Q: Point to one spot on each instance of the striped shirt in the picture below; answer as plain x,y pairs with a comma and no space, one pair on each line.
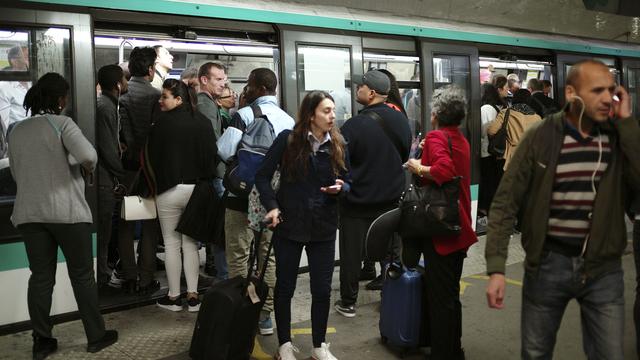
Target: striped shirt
580,166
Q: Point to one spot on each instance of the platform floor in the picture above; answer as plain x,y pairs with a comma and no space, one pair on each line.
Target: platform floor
153,333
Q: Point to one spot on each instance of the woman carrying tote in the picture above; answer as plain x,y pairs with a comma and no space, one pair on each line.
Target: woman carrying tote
304,213
444,256
47,156
181,153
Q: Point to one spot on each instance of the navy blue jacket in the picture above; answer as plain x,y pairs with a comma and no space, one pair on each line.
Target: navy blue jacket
308,214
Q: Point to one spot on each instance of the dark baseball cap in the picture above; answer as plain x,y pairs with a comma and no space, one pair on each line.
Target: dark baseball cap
375,80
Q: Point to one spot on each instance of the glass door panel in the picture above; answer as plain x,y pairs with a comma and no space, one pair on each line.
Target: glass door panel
631,81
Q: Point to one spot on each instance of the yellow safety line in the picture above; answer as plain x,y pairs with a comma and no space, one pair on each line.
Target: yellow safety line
307,331
258,353
485,277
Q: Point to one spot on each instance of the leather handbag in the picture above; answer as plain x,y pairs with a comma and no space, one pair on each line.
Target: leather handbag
431,210
136,207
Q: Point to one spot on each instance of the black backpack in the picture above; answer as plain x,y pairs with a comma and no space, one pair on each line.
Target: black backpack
498,141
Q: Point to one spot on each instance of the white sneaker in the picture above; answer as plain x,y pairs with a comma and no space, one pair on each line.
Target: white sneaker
322,353
286,352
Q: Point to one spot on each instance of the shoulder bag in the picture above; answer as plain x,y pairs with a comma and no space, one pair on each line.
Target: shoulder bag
141,206
431,210
498,142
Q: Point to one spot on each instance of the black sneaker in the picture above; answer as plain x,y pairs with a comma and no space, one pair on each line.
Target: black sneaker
375,284
150,288
110,337
167,303
367,275
345,310
193,304
43,347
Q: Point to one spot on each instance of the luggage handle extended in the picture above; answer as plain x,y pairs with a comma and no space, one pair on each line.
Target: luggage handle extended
255,251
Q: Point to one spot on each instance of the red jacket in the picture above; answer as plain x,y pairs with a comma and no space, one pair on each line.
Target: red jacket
436,155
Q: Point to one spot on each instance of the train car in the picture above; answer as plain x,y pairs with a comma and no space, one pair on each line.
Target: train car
308,50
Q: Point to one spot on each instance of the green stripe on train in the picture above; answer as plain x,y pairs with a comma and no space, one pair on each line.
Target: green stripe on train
276,17
474,192
14,256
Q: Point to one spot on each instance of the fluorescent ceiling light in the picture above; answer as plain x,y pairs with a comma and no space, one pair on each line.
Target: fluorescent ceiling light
187,46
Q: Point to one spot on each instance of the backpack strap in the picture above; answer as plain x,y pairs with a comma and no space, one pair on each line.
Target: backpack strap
385,127
257,112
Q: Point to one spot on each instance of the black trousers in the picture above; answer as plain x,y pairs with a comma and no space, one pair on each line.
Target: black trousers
443,315
106,203
353,232
636,306
148,245
491,171
320,255
41,241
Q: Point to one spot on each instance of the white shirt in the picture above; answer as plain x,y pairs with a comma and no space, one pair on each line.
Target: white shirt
12,95
316,143
487,114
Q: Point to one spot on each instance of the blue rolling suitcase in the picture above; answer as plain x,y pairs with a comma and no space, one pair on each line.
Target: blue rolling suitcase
401,307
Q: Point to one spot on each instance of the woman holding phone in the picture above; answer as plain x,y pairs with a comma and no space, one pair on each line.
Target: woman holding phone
304,213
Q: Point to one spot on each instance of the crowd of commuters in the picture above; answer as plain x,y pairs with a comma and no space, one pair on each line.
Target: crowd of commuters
160,137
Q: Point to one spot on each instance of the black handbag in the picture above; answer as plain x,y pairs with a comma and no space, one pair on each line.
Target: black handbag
431,210
498,141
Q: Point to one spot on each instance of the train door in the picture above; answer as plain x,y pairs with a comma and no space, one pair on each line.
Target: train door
318,61
447,64
33,43
631,81
564,63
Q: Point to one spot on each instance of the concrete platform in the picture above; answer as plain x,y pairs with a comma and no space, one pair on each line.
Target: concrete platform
153,333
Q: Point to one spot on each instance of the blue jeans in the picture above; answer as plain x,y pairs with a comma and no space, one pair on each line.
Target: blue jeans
545,296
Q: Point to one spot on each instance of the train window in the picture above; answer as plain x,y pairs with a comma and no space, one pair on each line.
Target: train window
452,70
633,85
326,68
25,55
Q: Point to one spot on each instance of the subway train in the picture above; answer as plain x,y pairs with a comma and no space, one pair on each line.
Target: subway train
308,50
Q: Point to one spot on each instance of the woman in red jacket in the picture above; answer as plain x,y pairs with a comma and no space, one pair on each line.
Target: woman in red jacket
444,255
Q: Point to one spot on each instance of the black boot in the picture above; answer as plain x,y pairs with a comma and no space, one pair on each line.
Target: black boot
43,347
110,337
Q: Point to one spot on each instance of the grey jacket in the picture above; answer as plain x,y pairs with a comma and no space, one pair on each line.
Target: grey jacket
50,189
107,128
136,112
209,108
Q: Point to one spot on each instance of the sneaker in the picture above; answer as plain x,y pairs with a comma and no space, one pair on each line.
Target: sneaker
322,353
173,305
117,276
109,338
483,221
193,304
43,347
367,274
375,284
265,326
286,352
345,310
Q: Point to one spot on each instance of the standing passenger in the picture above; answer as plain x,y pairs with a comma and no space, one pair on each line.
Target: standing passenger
261,92
48,154
376,156
164,64
573,239
181,153
521,117
136,108
111,174
226,102
304,214
445,155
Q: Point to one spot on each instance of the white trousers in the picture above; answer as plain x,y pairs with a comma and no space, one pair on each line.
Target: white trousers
171,205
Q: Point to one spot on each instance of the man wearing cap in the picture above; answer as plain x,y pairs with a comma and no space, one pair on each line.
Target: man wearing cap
379,140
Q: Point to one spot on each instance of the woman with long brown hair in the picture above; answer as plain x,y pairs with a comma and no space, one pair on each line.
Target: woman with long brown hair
304,213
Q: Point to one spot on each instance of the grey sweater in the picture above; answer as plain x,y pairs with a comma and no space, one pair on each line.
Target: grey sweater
50,190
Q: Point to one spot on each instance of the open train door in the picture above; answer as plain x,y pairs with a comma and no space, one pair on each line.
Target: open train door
631,81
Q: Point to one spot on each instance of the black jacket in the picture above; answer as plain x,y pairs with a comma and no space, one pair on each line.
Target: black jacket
107,129
136,112
308,213
376,163
181,148
542,104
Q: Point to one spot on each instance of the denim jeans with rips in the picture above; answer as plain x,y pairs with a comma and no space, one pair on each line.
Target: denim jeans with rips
545,296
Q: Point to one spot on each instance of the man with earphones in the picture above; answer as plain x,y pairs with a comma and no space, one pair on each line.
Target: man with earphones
567,187
111,174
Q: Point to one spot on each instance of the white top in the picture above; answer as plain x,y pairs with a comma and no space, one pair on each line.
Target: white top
12,95
487,114
316,143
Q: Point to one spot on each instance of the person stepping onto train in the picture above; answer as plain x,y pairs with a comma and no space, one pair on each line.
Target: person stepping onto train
304,214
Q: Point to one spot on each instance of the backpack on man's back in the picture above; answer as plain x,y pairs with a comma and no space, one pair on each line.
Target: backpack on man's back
256,140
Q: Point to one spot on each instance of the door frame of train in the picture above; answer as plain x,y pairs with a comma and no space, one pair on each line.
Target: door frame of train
564,59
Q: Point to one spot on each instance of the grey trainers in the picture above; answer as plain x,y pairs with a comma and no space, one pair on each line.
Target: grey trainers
345,310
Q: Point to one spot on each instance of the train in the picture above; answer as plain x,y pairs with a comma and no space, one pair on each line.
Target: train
306,48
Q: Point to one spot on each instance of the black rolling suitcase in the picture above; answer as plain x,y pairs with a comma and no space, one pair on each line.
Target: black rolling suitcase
228,318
